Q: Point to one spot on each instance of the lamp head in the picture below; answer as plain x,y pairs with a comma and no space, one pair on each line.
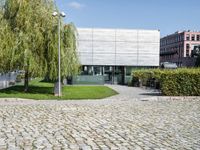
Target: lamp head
54,14
62,14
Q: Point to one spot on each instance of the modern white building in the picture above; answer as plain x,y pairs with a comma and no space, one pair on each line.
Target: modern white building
112,53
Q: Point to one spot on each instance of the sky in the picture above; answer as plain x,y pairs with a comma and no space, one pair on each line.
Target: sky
168,16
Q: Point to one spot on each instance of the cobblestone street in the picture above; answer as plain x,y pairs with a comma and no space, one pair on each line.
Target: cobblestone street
113,123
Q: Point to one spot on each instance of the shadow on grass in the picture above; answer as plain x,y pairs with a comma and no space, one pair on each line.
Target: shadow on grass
32,90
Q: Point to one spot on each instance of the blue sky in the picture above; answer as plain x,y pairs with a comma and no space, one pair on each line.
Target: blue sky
167,15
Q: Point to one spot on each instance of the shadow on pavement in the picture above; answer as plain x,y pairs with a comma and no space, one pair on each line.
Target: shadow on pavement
152,94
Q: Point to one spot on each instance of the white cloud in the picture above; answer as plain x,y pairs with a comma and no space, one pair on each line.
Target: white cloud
76,5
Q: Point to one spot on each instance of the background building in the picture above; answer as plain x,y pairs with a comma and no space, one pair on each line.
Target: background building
7,79
113,53
177,48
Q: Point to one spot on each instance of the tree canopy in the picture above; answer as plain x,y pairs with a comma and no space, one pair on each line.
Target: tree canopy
29,40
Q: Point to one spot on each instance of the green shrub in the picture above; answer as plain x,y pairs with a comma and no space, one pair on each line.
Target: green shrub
135,82
179,82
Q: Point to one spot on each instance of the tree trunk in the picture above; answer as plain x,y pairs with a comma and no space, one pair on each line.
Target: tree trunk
26,80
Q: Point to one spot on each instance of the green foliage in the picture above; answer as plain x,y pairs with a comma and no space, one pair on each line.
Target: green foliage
29,40
69,59
179,82
144,75
71,67
30,23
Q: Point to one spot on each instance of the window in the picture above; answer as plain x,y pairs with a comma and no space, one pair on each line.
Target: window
179,51
177,38
182,37
187,46
198,37
187,37
193,37
187,53
98,70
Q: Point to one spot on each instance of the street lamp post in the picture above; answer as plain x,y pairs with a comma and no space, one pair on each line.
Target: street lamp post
62,14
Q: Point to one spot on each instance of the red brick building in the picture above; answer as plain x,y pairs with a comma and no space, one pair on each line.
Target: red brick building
177,48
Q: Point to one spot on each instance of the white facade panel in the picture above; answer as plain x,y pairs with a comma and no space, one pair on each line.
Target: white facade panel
86,47
84,34
128,59
103,35
103,47
119,47
126,35
148,36
126,47
86,58
104,59
150,48
147,60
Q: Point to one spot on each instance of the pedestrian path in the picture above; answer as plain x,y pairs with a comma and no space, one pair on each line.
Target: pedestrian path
133,92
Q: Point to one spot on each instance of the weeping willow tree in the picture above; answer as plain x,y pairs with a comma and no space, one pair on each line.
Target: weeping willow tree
28,21
68,55
71,66
30,40
7,46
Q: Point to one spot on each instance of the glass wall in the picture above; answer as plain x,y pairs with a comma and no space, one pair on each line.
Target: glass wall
111,74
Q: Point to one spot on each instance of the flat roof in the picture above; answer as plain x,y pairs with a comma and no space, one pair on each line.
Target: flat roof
128,29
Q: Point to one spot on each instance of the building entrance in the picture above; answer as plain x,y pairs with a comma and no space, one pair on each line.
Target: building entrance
111,74
108,74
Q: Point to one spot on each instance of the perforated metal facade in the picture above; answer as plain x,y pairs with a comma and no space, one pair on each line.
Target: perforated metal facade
118,47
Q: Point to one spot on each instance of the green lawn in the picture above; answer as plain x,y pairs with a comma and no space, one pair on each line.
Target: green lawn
44,91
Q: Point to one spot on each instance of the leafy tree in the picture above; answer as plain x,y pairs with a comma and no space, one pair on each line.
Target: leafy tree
28,21
69,59
30,39
7,46
71,65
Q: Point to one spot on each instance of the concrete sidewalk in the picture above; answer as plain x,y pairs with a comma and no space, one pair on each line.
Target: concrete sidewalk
133,92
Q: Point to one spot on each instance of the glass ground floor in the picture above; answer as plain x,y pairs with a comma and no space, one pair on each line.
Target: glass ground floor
105,74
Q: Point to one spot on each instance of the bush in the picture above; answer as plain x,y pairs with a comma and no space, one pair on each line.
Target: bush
147,76
135,82
180,82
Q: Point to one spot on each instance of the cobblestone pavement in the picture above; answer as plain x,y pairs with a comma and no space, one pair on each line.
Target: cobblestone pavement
113,123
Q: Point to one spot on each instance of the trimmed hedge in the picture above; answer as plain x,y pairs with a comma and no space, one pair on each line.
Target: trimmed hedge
179,82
